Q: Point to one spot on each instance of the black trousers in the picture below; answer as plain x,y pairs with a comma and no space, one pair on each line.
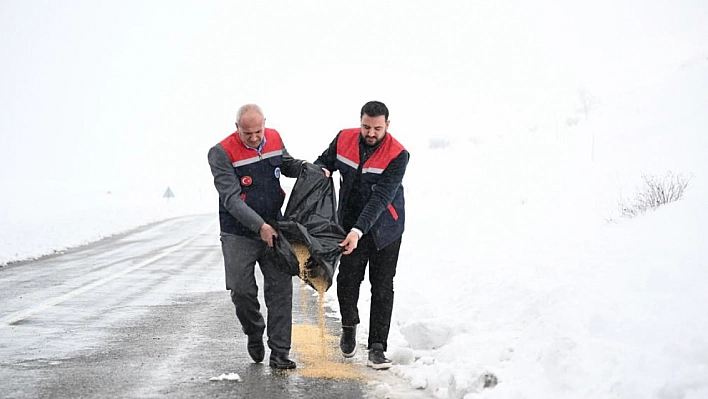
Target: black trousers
382,269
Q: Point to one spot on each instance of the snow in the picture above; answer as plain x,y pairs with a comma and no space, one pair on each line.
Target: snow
227,377
516,271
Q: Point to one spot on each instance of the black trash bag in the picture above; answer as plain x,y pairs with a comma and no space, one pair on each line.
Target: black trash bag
310,218
283,255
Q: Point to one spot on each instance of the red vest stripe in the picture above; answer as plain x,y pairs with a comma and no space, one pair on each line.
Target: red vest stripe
241,155
393,211
348,151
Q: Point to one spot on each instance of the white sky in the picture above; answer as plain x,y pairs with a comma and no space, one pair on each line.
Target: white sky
114,95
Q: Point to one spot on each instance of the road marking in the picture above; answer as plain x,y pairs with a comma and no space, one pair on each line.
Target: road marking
21,315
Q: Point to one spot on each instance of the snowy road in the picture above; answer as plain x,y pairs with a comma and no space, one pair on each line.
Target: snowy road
139,315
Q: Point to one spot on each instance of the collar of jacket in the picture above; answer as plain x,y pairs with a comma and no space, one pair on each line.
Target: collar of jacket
257,149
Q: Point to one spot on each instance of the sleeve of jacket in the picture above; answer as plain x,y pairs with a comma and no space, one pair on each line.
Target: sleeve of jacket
227,184
291,166
382,192
329,156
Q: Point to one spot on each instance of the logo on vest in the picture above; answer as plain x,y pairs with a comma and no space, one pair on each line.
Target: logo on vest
277,173
246,181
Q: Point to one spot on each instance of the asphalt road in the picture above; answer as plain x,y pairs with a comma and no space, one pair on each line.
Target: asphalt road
145,314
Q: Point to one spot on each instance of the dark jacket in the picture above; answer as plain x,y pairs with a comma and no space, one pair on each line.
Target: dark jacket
248,182
371,192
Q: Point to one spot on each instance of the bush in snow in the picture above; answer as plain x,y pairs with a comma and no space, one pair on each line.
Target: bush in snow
656,191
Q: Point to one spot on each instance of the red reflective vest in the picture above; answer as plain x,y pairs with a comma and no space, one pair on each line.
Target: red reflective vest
259,177
391,223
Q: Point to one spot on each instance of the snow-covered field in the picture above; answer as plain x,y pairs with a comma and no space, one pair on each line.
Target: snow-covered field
515,263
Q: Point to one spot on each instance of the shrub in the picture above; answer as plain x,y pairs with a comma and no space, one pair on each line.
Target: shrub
656,191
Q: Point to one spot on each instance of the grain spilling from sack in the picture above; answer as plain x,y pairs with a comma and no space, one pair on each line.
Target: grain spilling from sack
302,254
315,347
319,282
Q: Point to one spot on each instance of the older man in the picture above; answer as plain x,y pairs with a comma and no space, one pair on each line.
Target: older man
247,166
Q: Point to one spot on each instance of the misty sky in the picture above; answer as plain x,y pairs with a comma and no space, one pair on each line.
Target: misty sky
120,95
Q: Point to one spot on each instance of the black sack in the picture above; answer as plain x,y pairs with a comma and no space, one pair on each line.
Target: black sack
283,255
311,219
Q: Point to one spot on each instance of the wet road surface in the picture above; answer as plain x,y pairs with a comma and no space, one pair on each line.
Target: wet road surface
145,314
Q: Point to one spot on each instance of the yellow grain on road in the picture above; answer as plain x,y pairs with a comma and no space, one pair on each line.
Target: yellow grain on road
317,350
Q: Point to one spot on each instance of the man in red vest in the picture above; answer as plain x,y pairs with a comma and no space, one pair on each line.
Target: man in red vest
371,164
247,166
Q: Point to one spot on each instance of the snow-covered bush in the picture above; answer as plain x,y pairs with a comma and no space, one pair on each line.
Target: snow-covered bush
655,192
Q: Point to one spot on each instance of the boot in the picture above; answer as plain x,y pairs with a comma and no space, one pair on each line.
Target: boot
347,342
281,361
377,359
255,347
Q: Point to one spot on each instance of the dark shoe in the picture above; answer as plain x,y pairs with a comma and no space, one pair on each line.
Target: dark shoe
255,347
377,360
281,361
347,342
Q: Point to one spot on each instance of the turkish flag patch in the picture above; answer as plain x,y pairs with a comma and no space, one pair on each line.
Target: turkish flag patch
246,181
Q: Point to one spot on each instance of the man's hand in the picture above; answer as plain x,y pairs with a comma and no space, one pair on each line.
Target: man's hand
268,233
326,172
350,242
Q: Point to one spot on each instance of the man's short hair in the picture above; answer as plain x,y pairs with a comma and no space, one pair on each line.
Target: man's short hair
246,108
374,109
